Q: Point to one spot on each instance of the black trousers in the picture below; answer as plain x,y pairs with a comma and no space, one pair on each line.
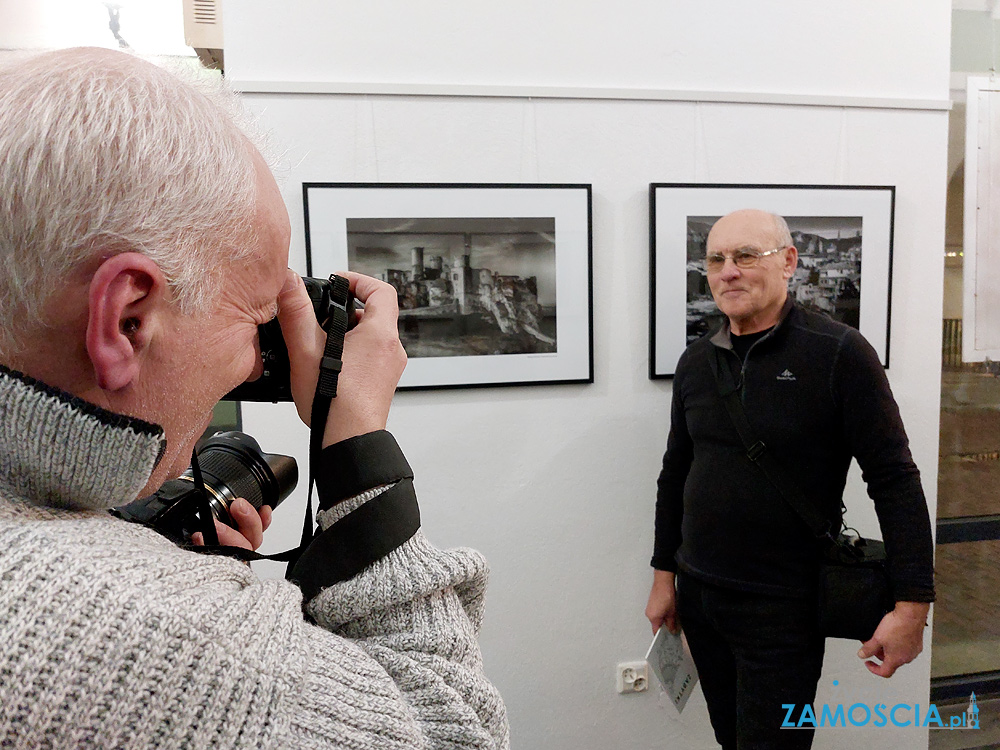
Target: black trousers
754,653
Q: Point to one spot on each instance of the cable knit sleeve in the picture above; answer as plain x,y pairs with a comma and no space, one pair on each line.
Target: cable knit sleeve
407,670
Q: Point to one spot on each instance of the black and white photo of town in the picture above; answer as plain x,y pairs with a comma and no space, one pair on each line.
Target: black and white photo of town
466,286
828,277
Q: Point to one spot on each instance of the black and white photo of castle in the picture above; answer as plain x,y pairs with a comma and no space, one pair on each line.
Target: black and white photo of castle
466,286
827,279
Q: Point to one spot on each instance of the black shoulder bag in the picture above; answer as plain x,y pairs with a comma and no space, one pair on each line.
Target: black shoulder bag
854,591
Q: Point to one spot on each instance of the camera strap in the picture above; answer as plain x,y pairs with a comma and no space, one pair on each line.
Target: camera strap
326,390
337,326
205,515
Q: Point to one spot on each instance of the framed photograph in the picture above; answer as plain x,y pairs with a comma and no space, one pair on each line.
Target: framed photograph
493,280
843,235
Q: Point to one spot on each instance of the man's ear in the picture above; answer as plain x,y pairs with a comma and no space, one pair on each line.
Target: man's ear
791,261
125,295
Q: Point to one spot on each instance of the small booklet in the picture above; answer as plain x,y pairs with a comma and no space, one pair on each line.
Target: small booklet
671,662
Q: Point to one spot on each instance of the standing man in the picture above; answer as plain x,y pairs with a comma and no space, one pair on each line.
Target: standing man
143,239
734,565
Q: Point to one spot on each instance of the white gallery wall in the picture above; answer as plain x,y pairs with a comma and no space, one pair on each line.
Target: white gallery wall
556,484
151,27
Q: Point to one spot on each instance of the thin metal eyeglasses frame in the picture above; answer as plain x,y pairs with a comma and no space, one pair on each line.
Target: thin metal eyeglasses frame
744,255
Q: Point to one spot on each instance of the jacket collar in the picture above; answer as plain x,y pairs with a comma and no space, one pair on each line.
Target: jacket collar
722,338
60,451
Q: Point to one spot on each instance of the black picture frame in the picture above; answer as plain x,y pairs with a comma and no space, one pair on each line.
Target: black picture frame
845,268
494,280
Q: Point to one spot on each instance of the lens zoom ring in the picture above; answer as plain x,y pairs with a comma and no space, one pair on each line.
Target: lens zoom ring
220,467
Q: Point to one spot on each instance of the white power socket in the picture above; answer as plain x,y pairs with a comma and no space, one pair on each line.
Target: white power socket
632,677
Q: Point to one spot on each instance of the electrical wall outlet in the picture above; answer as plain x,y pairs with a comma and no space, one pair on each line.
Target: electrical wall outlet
632,677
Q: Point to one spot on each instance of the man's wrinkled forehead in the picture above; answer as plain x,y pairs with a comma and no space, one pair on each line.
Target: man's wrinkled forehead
743,229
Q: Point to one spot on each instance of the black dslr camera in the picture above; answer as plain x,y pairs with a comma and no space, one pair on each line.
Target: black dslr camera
232,465
273,384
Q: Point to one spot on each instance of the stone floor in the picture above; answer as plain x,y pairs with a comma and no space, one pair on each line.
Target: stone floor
966,634
987,737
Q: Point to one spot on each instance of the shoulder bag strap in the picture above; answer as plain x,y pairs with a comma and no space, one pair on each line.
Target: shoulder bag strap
758,453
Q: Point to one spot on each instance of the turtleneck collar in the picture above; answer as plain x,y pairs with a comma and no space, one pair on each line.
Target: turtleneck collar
60,451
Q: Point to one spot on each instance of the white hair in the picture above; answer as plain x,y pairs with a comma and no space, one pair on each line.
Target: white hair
101,153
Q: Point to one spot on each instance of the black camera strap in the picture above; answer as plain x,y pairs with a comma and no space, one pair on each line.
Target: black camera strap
205,515
337,326
326,390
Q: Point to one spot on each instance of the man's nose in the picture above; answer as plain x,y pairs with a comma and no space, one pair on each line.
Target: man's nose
729,270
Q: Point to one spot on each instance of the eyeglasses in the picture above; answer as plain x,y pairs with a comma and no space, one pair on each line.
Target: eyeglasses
743,258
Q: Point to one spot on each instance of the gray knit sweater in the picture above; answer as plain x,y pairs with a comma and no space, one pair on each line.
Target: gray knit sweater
110,636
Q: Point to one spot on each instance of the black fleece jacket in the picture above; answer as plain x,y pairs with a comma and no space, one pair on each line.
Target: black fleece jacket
816,394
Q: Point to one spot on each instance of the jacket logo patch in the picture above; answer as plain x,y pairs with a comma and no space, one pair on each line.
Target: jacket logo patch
786,375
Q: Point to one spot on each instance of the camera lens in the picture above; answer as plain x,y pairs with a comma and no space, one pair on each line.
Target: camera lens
233,465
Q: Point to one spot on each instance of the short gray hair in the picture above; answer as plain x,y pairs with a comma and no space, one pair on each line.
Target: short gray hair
102,153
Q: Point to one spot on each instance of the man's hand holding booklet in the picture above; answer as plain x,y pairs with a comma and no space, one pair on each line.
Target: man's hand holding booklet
671,662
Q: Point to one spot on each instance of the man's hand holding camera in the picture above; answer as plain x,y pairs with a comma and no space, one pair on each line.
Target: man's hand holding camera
373,357
252,525
373,362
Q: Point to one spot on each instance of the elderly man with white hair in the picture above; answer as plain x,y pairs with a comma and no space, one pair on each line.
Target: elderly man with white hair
142,242
734,564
